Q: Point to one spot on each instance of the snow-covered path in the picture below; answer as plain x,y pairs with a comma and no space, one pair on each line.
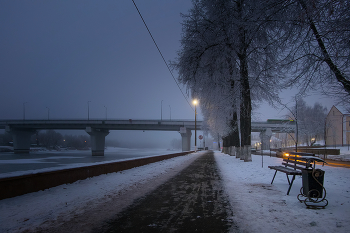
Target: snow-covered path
257,205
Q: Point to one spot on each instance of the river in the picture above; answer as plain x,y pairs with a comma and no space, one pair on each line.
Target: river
19,164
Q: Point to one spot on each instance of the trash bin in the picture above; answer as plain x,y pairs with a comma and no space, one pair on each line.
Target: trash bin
313,182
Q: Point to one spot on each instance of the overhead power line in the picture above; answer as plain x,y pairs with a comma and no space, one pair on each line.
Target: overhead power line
161,54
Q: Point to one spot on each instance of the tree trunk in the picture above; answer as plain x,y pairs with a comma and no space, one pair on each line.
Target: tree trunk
246,107
234,136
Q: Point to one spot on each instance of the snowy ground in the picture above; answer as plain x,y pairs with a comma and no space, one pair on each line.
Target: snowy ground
257,205
344,154
262,207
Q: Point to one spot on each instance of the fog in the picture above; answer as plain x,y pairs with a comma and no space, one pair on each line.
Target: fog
92,59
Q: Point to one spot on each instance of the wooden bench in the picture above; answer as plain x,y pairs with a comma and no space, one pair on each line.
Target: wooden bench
291,166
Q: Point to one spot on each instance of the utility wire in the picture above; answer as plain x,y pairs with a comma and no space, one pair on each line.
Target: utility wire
161,54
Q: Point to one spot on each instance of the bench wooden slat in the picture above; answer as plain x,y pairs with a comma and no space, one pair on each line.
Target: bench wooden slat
298,162
285,170
294,166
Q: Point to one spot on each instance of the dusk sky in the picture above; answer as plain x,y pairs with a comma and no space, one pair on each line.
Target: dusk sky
58,55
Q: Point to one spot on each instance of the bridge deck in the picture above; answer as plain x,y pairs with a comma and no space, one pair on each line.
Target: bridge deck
161,125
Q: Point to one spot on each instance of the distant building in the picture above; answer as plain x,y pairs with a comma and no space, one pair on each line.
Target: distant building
338,127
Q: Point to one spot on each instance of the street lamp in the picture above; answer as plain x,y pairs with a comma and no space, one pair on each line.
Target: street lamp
195,102
106,111
88,109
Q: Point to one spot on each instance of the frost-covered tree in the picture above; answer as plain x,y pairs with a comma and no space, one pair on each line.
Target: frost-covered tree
77,141
317,54
50,139
315,122
228,61
310,121
176,143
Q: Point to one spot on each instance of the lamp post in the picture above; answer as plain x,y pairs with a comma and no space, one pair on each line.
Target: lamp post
106,111
24,110
195,102
48,113
88,109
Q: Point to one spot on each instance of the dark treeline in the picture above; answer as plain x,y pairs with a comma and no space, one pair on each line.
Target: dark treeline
51,139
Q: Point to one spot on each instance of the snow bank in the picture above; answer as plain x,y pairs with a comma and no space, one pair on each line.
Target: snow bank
65,201
261,207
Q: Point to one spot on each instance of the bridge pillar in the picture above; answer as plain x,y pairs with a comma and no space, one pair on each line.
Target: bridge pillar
265,137
21,139
97,140
186,139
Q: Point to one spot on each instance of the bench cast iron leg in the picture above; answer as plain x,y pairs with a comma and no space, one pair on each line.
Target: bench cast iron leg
273,177
288,178
291,183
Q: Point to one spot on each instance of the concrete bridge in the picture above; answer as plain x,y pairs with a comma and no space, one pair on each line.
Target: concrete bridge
22,130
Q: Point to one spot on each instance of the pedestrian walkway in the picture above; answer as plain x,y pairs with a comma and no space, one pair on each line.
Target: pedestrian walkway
192,201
